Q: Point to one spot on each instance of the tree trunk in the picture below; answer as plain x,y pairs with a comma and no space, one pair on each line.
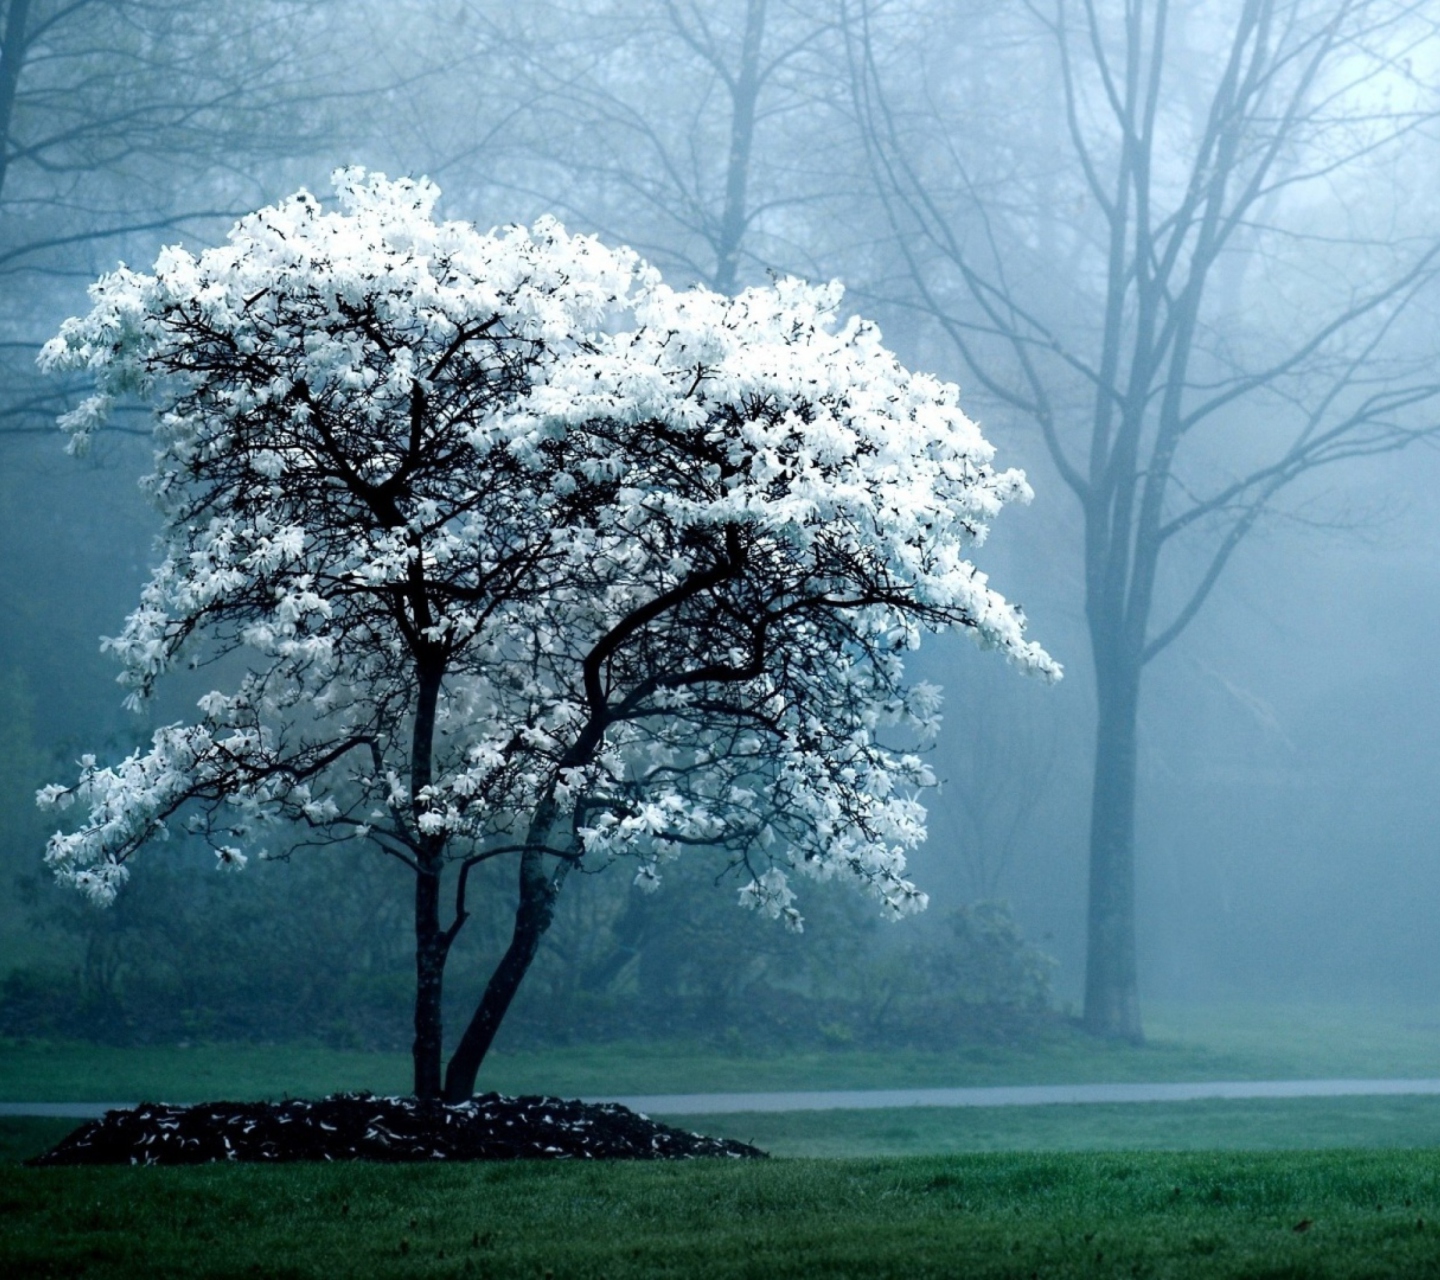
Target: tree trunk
12,60
538,891
430,951
1112,997
431,942
744,94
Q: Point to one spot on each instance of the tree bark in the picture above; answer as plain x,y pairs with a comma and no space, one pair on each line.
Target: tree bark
539,887
1112,996
430,952
744,94
538,891
431,942
12,60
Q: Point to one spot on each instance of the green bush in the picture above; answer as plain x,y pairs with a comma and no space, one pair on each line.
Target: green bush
317,950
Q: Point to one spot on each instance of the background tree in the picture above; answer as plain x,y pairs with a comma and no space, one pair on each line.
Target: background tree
702,134
1182,276
526,556
121,120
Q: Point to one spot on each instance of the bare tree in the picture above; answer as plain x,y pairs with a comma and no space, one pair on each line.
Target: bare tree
122,120
671,124
1194,276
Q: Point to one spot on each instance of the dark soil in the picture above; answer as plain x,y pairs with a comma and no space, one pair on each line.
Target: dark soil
360,1126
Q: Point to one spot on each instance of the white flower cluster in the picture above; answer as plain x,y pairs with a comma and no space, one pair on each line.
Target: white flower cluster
521,544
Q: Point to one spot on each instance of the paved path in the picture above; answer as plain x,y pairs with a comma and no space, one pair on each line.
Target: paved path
1040,1095
682,1104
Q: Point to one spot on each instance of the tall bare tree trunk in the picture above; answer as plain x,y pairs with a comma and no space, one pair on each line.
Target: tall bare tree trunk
1112,996
1287,110
12,59
745,95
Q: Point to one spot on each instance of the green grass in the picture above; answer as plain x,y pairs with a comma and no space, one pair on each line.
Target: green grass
1098,1190
1245,1125
1121,1214
1239,1125
44,1071
1308,1039
24,1136
1186,1044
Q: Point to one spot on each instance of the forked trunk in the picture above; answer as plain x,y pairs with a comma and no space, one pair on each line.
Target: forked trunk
536,909
1112,997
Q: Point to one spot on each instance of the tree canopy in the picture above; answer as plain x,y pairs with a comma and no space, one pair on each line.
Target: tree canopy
517,552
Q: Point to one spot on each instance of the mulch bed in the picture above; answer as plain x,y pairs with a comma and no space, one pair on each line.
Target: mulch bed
360,1126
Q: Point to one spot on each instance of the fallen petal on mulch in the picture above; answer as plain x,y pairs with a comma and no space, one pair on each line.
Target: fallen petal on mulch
361,1126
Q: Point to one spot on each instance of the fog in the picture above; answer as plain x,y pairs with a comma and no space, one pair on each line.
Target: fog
1287,811
1287,826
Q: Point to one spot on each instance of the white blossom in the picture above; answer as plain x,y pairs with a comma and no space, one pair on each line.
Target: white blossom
229,858
659,554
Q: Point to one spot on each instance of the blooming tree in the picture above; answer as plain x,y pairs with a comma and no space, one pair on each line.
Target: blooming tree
522,554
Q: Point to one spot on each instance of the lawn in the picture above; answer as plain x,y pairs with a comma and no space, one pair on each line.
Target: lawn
1186,1044
1214,1188
1121,1214
1238,1125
